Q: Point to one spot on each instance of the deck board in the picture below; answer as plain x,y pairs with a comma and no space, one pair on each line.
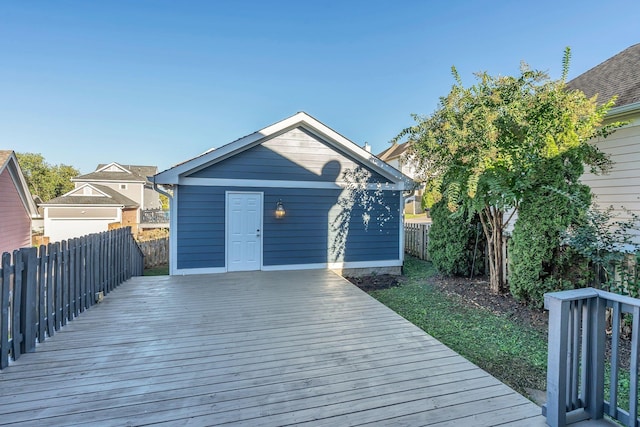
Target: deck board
265,348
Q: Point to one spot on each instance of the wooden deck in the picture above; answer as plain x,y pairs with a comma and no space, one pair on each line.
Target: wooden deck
266,348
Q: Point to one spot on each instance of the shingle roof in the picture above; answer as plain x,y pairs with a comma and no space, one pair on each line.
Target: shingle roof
114,198
396,150
618,75
138,174
4,156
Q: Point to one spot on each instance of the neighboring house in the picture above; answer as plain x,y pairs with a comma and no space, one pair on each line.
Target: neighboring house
113,195
397,156
619,76
17,208
294,195
129,180
90,208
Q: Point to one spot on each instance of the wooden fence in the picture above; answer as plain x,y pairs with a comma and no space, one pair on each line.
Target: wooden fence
156,252
41,289
416,240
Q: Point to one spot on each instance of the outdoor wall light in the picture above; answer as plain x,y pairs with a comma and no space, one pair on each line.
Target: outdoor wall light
280,212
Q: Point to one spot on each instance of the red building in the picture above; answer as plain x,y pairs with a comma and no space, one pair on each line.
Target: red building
17,207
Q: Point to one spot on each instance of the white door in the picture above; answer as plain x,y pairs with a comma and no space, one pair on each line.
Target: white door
244,231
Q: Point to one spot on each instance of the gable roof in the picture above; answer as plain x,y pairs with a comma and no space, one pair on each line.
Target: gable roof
107,196
117,172
618,75
395,151
301,119
9,162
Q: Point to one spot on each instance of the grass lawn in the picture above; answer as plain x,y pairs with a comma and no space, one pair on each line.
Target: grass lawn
512,352
162,270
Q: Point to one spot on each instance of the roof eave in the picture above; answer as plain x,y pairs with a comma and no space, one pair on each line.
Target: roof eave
172,176
623,110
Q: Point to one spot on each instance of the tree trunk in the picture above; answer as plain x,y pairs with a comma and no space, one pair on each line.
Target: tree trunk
492,225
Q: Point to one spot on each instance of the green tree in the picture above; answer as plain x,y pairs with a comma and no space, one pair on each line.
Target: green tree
484,143
45,180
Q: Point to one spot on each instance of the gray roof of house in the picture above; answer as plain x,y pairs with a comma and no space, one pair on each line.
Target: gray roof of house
114,198
618,75
138,174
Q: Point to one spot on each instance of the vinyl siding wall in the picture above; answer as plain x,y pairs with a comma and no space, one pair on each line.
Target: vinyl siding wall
15,223
621,186
320,226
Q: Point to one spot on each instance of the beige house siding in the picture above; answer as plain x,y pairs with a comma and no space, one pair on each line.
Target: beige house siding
619,188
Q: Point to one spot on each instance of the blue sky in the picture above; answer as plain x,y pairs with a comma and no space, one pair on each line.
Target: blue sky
158,82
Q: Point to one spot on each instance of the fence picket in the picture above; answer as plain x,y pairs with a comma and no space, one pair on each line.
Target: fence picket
28,315
16,335
4,312
156,252
42,298
40,291
416,240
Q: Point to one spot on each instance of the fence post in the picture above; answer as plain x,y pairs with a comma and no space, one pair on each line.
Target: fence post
28,301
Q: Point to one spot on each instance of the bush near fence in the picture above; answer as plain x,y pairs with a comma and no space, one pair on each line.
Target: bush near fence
41,289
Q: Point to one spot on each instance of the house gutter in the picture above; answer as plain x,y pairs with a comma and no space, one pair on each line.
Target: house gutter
623,109
158,189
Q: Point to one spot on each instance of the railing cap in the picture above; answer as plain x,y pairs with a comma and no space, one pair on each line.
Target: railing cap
586,293
570,295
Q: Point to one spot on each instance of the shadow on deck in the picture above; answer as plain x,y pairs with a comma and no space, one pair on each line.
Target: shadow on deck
265,348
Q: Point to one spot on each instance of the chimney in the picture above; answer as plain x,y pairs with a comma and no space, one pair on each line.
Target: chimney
367,147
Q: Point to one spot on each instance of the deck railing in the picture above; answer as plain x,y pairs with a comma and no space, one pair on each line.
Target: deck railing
154,216
416,239
578,324
41,289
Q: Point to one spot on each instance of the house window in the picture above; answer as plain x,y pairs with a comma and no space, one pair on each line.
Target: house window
123,186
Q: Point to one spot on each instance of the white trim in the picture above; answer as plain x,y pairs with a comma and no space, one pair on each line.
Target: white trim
401,229
110,181
292,267
226,226
118,165
301,119
224,182
20,183
188,271
334,265
82,187
78,205
173,233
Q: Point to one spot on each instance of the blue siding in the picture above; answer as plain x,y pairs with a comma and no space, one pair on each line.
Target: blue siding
200,240
296,155
321,225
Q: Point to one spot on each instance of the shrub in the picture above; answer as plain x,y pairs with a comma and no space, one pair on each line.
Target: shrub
452,242
538,261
